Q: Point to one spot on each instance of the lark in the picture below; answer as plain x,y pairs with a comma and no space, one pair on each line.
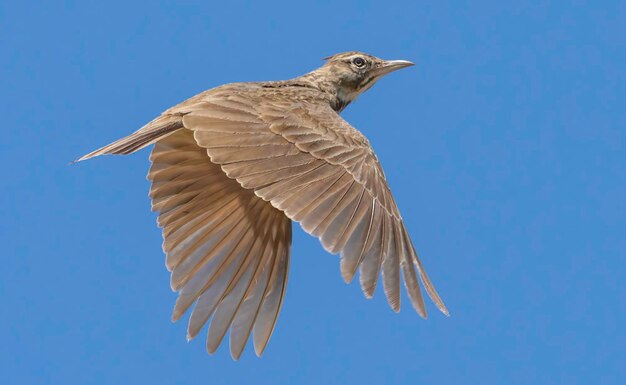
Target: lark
233,166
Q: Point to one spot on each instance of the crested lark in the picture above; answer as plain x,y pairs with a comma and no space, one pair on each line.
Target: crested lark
234,165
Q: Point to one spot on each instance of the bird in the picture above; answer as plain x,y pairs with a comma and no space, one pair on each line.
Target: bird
234,166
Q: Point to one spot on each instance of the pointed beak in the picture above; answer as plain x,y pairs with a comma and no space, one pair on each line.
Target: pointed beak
389,66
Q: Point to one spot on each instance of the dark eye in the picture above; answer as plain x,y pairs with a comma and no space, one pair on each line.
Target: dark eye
359,62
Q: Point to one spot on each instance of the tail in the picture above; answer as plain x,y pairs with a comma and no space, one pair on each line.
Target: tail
157,129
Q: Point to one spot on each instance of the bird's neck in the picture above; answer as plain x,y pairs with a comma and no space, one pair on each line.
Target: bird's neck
338,94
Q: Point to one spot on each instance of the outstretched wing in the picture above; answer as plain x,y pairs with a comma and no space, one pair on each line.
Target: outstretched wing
303,158
227,249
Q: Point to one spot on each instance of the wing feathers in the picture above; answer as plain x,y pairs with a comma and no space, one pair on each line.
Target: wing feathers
229,305
249,310
391,270
370,268
228,250
270,308
408,273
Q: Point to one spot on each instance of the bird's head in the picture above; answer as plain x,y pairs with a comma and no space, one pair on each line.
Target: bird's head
349,74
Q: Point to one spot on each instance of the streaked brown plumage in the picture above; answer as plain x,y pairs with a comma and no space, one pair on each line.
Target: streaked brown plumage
234,165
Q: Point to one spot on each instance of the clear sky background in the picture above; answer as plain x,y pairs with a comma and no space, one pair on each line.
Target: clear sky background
504,146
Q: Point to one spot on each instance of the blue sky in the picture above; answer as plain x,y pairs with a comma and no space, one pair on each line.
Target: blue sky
504,147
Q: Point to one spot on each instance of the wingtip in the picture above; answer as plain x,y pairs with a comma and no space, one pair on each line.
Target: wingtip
176,314
192,333
440,305
84,157
235,353
347,278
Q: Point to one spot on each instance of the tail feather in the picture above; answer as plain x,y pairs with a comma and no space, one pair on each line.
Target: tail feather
159,128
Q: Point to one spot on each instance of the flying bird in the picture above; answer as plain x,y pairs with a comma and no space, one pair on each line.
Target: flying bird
233,166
